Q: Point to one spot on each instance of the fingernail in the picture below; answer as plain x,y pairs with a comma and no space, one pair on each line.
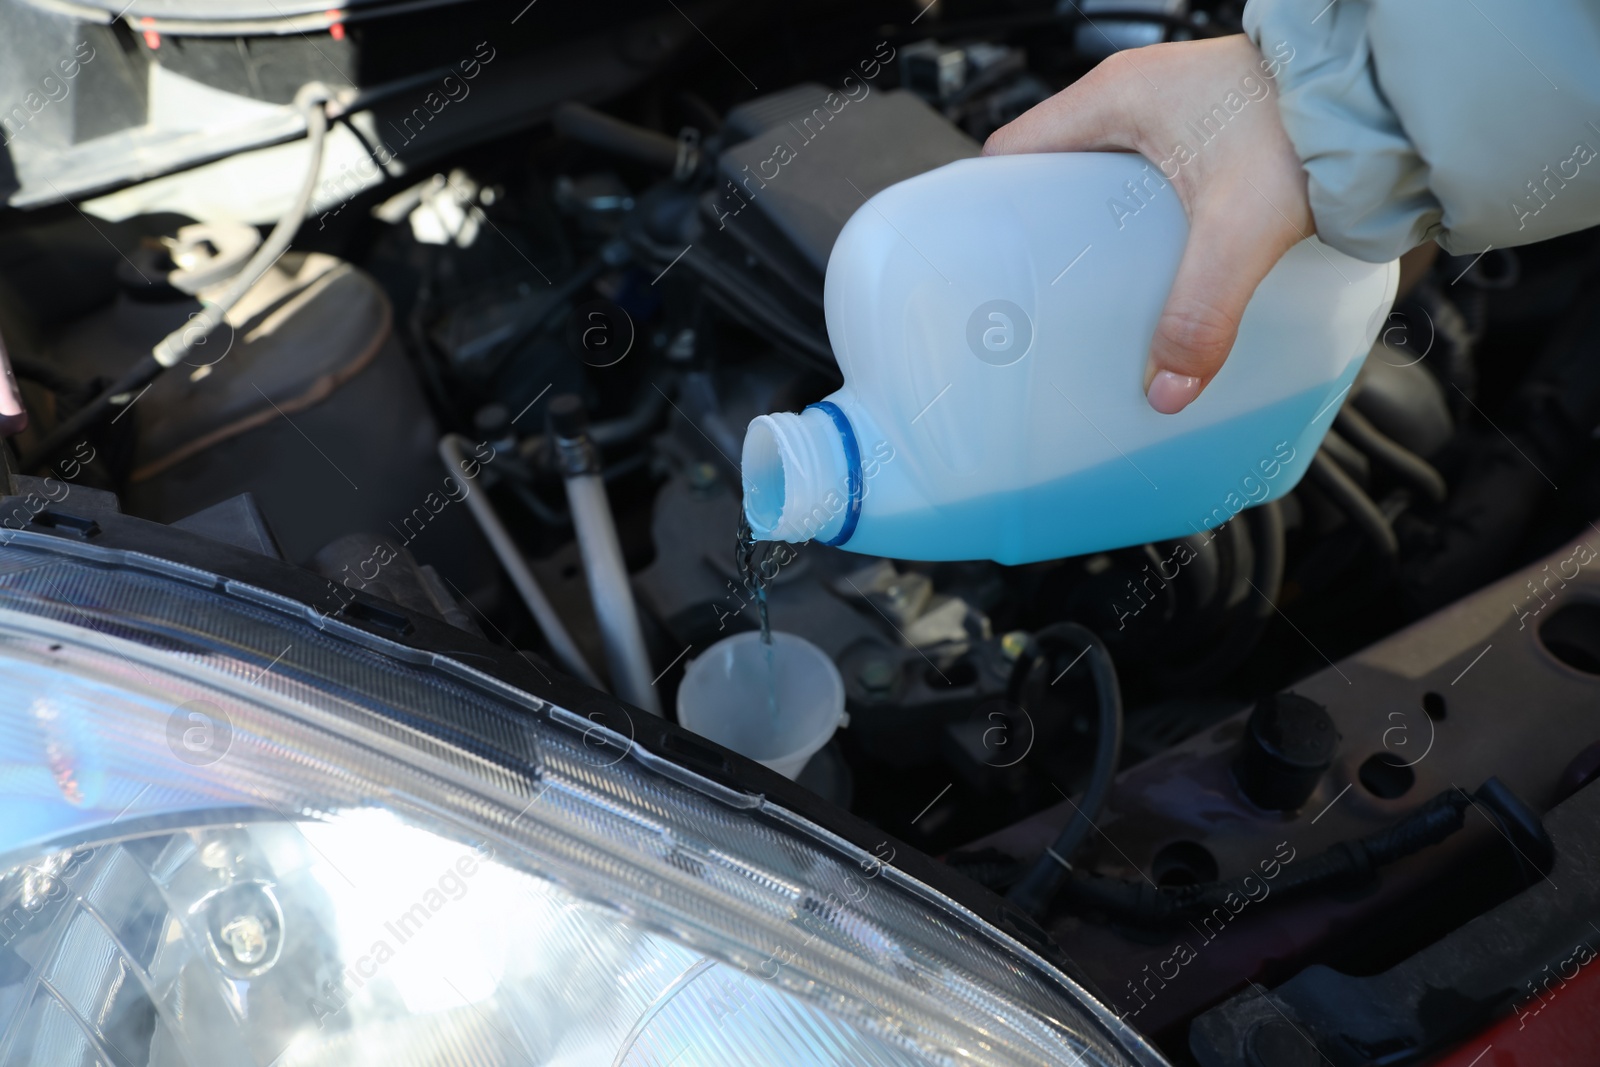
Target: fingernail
1170,393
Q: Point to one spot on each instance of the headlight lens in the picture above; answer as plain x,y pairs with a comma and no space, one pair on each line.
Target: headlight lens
231,837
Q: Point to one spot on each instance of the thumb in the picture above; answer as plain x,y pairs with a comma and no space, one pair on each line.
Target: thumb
1229,252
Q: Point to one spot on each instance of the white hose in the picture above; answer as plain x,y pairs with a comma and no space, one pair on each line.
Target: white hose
627,660
311,101
555,632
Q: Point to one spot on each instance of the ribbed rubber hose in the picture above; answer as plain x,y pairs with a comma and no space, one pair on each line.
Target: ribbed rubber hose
1358,508
1266,527
1400,460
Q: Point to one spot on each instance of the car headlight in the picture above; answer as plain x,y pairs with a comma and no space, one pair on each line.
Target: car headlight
238,832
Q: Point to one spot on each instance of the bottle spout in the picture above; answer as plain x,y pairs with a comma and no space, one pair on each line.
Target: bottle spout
802,476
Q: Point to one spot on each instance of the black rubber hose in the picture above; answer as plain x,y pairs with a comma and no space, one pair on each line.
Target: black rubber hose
608,433
1401,461
1354,462
1039,885
599,130
1358,508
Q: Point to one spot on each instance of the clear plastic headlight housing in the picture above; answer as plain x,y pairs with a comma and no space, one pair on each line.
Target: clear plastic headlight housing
234,832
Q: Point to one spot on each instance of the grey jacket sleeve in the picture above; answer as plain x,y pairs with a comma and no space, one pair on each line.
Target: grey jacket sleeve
1473,122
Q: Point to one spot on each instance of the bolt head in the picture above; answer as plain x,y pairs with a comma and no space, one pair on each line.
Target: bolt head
876,675
702,476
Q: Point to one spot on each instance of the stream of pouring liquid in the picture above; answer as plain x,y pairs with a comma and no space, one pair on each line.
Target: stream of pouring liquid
755,584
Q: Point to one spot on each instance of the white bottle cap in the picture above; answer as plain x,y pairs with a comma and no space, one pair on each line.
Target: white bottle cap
800,479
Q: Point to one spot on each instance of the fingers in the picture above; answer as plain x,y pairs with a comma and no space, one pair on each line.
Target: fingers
1233,244
1244,190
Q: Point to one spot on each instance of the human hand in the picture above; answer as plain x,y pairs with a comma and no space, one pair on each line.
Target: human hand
1243,188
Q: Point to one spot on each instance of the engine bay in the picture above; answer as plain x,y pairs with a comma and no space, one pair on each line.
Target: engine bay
1353,725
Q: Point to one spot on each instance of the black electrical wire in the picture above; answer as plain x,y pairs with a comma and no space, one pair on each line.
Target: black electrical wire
563,293
311,100
1346,865
1401,461
740,295
422,349
748,304
555,518
1039,885
1359,509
